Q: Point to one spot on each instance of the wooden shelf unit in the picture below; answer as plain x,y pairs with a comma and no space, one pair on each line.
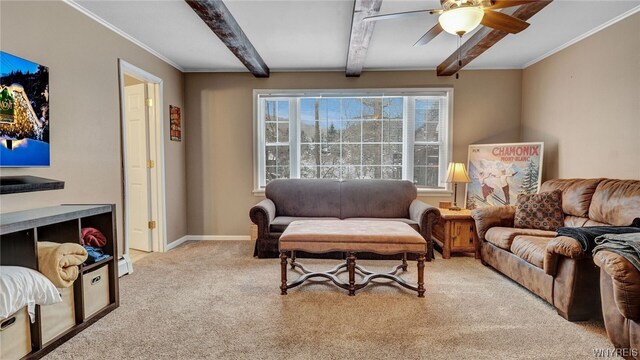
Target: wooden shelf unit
20,233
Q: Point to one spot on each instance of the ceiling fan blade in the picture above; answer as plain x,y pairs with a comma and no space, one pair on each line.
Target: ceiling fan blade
504,22
429,35
501,4
398,15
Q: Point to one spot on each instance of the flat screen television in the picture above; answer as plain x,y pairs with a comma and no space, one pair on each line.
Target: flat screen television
24,112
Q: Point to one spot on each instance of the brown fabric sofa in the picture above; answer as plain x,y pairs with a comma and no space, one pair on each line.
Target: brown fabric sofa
620,294
303,199
556,268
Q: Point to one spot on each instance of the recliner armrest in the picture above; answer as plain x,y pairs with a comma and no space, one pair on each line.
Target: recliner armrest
626,282
427,217
492,216
561,246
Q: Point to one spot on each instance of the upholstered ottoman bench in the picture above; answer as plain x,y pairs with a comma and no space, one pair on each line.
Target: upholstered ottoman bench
351,236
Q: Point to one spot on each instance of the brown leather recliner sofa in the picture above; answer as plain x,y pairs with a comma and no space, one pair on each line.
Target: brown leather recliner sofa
620,294
288,200
556,268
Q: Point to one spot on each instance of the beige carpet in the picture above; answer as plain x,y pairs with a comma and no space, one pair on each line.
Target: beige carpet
213,300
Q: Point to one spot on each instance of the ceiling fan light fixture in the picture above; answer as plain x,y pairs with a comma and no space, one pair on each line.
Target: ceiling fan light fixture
459,21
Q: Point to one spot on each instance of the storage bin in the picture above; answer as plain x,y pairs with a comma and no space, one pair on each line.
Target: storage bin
95,285
15,336
57,318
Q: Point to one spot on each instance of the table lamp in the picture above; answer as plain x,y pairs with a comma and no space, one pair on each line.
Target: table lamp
457,173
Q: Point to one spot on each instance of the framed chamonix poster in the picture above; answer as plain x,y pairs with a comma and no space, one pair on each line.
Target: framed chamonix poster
499,172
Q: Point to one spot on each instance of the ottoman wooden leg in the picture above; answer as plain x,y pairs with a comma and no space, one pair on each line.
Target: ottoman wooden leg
283,273
351,266
293,260
404,261
421,290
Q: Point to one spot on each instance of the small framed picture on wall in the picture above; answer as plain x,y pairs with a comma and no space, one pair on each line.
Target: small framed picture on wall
175,123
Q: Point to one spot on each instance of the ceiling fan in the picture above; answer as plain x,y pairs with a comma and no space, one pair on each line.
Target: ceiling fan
459,17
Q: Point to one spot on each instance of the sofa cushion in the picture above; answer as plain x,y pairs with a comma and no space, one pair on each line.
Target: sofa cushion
531,249
576,194
280,223
412,223
616,202
539,211
305,197
502,237
574,221
376,198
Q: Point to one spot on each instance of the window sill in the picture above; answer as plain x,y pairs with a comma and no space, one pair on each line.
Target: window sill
421,193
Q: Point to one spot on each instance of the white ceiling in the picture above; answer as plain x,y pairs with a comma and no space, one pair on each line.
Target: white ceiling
314,34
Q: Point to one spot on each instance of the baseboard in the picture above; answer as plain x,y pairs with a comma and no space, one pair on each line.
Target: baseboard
220,237
185,238
125,266
176,243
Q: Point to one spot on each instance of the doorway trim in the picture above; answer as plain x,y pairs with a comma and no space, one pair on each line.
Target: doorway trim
156,153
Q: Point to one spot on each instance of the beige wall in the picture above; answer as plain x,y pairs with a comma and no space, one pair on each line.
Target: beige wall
584,103
220,138
82,57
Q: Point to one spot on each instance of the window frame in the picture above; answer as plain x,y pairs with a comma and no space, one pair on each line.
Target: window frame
446,133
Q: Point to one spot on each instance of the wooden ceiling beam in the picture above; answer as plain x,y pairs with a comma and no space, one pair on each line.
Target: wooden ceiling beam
216,15
485,38
360,37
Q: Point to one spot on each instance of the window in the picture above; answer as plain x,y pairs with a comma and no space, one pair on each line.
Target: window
374,134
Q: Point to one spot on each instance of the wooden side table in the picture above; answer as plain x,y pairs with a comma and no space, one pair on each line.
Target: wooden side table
456,233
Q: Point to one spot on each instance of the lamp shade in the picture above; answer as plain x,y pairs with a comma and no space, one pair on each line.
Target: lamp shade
461,20
457,173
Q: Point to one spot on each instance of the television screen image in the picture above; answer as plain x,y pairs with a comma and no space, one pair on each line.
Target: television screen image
24,112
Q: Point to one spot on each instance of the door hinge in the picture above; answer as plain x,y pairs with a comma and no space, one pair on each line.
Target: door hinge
152,224
148,102
151,164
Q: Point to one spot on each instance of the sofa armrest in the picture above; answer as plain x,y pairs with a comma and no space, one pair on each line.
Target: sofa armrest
625,279
262,214
561,246
492,216
427,217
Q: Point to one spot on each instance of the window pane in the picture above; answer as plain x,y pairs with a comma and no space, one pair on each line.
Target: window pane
392,172
352,131
330,172
351,154
371,154
433,155
432,176
330,154
392,131
393,108
351,109
270,110
351,172
332,133
392,154
427,117
270,132
420,155
372,131
276,172
283,110
283,132
371,172
372,108
420,175
309,154
277,155
308,172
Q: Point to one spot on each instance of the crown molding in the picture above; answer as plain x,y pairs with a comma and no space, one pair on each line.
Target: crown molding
583,36
119,31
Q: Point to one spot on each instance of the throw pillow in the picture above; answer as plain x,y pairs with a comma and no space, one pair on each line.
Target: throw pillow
539,211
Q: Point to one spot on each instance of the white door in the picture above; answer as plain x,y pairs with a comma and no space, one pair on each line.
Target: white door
137,156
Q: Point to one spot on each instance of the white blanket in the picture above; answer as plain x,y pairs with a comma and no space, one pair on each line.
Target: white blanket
20,287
